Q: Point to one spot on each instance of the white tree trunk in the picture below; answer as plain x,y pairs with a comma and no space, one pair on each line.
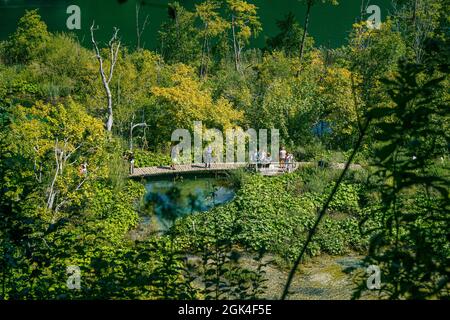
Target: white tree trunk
114,47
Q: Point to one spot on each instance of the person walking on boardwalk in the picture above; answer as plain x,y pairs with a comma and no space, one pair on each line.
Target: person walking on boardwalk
131,159
283,154
208,157
173,157
290,163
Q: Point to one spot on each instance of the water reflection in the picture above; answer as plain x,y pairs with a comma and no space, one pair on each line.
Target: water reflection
172,199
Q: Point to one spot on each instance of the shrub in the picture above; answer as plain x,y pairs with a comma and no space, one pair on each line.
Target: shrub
28,39
150,159
311,152
268,214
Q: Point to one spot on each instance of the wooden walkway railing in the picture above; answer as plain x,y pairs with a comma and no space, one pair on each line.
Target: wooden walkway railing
185,168
273,170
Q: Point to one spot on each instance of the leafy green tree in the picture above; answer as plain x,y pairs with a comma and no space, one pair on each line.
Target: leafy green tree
372,55
178,36
290,37
418,21
30,36
213,26
66,69
309,5
53,213
244,25
185,100
410,243
66,198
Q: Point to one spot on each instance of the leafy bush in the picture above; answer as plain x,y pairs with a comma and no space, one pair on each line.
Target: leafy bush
310,152
150,159
28,39
346,199
315,180
268,214
236,177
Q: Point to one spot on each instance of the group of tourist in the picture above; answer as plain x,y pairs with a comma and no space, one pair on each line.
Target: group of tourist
264,160
261,159
287,160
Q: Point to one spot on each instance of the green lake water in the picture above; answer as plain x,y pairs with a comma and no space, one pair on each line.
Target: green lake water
329,24
175,198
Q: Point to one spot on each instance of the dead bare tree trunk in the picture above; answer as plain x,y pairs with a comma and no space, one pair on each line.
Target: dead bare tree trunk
305,31
51,190
235,45
140,30
114,47
62,155
205,53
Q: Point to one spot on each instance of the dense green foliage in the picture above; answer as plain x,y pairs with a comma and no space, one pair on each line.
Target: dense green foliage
411,242
274,214
65,196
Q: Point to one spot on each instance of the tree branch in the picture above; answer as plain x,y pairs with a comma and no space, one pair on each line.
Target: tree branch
324,210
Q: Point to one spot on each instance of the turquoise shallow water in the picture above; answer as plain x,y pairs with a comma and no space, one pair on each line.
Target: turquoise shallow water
329,25
169,199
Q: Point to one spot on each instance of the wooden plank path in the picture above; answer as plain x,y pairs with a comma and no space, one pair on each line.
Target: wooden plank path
185,168
222,167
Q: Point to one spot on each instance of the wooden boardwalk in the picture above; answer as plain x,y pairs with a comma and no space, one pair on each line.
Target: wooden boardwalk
273,170
185,168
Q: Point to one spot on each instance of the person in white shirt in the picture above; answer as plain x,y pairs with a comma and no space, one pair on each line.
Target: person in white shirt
208,157
174,157
131,162
283,154
263,156
267,161
290,162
